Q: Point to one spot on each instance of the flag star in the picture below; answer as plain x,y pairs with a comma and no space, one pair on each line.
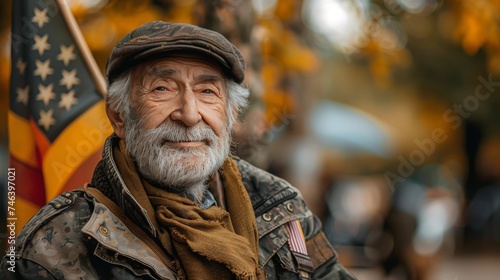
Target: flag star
46,94
40,17
41,44
68,100
21,65
43,69
46,119
22,95
66,54
69,79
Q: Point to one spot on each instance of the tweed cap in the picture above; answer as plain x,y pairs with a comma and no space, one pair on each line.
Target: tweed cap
158,39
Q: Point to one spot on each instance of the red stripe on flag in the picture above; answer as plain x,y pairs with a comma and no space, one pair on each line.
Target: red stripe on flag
41,140
29,182
83,173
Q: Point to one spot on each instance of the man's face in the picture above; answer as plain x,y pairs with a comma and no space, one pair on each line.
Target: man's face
177,131
185,89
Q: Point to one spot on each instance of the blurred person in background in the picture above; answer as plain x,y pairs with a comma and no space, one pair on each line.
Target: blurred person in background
168,201
425,209
483,210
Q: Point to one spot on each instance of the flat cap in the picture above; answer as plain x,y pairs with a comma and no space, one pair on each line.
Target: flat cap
158,39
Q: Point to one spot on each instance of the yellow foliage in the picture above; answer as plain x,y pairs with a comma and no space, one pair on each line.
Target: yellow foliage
477,25
103,30
477,28
271,73
288,10
472,36
383,62
283,45
299,58
181,13
78,10
279,103
283,54
93,33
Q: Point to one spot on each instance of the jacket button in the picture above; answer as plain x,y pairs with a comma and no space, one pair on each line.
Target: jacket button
266,217
67,194
104,231
289,207
57,205
68,201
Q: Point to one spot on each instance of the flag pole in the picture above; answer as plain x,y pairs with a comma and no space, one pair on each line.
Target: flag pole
82,46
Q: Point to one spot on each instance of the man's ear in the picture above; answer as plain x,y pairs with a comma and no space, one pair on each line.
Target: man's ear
117,121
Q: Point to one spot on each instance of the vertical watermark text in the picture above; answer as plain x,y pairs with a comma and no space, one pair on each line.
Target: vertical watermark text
11,218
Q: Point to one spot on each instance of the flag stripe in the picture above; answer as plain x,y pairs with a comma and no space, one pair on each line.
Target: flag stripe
83,173
41,140
80,140
22,143
29,182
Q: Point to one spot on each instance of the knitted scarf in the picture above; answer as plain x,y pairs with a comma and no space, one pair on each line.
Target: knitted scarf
209,244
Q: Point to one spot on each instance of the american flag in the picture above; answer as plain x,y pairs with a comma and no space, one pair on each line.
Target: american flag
57,122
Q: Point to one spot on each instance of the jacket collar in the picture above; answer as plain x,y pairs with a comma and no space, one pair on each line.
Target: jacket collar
108,180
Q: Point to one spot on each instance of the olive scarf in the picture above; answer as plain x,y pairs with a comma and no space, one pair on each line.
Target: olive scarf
206,243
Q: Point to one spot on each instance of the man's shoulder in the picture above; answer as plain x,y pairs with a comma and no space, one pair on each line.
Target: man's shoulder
63,216
260,181
265,189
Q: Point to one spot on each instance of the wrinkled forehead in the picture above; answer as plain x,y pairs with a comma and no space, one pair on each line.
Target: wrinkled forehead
166,66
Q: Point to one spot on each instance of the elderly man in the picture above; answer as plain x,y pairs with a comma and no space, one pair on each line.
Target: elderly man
167,201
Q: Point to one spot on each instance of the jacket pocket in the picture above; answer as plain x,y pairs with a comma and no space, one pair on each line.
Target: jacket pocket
275,256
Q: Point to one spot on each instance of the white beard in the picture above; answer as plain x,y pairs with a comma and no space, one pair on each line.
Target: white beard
184,170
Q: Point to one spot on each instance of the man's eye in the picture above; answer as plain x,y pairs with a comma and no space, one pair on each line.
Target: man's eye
161,88
207,91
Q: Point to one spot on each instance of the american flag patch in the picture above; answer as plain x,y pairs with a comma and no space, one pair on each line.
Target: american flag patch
298,248
297,240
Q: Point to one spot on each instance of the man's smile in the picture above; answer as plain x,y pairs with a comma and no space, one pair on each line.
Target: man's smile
186,144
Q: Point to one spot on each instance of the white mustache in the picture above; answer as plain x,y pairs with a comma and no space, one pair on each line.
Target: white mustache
175,132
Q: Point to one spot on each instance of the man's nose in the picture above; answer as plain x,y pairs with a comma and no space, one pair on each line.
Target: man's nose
187,111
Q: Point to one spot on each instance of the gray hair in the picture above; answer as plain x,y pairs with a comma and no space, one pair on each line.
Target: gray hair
118,96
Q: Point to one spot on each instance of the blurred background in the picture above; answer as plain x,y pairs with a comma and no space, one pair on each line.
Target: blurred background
384,113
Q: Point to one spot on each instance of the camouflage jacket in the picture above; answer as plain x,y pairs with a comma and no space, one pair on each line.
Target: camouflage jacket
77,237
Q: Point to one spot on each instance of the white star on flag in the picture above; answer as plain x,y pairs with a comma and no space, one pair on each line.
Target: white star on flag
22,95
69,79
46,94
21,65
66,54
46,119
41,44
43,69
68,100
40,17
